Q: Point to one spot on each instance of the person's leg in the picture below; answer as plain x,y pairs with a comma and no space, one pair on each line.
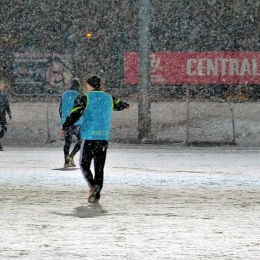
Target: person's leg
87,154
67,144
3,129
76,132
99,164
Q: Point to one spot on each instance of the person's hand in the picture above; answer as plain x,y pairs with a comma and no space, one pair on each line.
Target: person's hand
126,105
62,133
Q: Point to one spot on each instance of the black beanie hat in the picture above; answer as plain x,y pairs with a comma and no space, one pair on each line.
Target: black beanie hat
94,81
75,84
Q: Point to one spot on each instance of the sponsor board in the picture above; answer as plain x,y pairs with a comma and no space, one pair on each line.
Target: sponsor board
196,67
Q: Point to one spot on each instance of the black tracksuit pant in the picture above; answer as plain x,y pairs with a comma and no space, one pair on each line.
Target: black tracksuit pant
3,129
96,150
73,130
3,125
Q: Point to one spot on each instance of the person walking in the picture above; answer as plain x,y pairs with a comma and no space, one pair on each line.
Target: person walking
4,108
95,109
67,103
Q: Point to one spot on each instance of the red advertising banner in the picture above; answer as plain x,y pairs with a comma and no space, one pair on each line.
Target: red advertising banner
197,67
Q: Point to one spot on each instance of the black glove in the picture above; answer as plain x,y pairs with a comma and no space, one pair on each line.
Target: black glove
126,105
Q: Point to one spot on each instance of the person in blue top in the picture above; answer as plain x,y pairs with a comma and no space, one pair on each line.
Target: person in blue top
67,103
94,108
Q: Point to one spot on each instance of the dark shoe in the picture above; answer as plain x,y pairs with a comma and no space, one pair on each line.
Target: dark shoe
92,198
70,159
1,148
67,165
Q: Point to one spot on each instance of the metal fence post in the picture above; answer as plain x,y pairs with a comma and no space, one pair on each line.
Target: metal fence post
188,115
144,107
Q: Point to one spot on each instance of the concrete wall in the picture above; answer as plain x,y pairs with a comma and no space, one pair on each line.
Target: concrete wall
37,124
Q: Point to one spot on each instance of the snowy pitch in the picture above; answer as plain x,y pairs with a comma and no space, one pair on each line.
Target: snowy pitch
157,203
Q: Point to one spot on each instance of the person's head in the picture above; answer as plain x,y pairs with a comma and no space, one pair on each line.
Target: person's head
75,84
92,83
2,85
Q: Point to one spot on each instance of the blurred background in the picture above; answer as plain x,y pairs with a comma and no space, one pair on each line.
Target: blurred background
44,43
60,39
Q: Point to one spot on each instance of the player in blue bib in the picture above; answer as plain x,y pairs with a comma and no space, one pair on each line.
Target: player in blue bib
67,103
94,109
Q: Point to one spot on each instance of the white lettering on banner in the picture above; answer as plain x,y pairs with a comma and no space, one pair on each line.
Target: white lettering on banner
223,66
207,67
212,67
234,67
245,68
189,67
201,68
157,78
254,68
155,63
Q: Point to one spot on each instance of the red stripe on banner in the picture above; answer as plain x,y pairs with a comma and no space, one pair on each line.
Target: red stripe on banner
197,67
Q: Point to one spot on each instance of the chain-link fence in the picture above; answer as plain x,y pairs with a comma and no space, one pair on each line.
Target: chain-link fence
176,122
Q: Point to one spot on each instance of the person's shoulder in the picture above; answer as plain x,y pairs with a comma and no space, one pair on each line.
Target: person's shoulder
79,93
106,93
66,91
69,92
82,96
73,90
102,92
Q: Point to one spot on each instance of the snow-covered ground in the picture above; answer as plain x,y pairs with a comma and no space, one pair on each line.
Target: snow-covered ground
158,202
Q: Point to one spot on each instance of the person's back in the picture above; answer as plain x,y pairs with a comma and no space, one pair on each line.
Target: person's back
96,119
68,99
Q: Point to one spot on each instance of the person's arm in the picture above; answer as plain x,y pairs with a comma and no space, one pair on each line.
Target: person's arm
76,112
119,105
60,108
78,99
